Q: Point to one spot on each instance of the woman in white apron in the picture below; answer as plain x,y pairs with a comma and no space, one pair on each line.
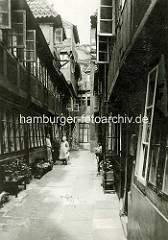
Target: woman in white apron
64,150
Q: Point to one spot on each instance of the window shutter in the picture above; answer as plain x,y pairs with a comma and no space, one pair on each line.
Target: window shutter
18,30
31,46
58,35
106,18
5,14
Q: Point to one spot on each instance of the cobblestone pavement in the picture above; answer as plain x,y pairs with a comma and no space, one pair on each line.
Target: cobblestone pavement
67,203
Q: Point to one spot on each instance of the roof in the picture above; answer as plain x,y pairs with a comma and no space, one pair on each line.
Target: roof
41,8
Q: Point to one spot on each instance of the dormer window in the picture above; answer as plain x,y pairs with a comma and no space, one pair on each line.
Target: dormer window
58,35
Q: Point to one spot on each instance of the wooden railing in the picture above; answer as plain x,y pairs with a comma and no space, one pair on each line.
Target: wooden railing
16,77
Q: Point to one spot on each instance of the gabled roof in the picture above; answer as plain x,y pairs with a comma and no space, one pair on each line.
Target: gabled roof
44,12
41,8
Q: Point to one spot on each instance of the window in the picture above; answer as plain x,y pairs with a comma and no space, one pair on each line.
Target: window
5,148
22,136
82,101
106,18
38,134
165,176
5,14
31,46
42,134
112,137
58,35
17,131
88,101
18,31
102,49
84,132
76,107
35,134
10,126
31,139
34,68
154,153
147,127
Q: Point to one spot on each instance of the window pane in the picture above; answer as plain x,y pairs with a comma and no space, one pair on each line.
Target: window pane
5,12
58,35
31,46
30,35
4,20
106,2
154,155
152,77
103,46
17,17
145,151
147,126
103,57
17,40
22,136
18,30
165,188
105,26
105,13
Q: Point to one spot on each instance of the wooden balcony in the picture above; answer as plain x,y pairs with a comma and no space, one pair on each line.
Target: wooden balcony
16,83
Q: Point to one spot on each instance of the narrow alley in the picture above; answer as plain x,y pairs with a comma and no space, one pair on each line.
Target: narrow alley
67,203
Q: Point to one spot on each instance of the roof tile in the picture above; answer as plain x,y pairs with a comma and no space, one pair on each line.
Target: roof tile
41,8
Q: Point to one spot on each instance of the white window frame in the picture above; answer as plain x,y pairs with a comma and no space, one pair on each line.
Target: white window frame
102,52
164,175
24,30
143,143
9,15
34,50
99,20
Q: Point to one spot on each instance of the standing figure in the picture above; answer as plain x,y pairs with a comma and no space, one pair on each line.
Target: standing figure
63,152
99,158
49,148
66,146
56,148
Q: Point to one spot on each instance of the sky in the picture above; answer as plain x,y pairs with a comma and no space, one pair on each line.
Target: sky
77,12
